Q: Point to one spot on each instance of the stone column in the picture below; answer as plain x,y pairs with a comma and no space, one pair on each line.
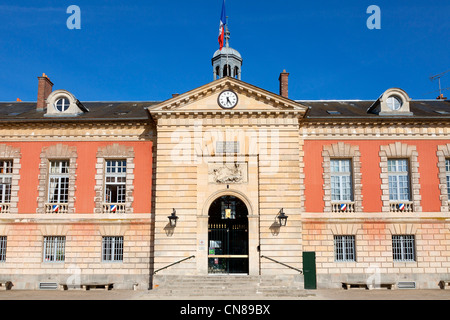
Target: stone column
202,245
253,243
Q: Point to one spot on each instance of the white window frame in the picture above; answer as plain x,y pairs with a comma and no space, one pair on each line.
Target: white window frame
447,175
54,249
396,176
344,248
6,176
403,248
3,243
115,175
343,178
112,249
58,173
394,103
64,104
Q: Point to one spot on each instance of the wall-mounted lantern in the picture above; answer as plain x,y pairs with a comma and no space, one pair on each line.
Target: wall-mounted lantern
173,218
282,218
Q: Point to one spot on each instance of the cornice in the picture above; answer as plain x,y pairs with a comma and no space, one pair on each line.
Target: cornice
76,131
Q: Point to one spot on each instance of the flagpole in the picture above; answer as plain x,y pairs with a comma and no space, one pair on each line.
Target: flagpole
227,36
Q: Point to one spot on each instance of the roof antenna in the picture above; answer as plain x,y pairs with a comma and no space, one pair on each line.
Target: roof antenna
439,76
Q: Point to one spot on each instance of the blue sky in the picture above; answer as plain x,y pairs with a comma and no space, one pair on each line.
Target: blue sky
147,50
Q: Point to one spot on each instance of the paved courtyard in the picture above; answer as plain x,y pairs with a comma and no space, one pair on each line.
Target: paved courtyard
332,294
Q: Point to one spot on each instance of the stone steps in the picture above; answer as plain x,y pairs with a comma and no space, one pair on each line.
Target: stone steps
228,286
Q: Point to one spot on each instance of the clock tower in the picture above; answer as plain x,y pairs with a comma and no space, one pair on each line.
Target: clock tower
228,61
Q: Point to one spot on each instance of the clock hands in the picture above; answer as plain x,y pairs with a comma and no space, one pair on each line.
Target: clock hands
227,99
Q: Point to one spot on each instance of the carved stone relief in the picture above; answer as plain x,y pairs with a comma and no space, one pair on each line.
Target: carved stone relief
227,173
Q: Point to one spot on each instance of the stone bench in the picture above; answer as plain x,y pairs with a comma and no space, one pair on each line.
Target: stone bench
444,283
365,285
6,285
88,286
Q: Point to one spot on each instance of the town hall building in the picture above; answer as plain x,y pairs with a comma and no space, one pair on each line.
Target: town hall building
225,179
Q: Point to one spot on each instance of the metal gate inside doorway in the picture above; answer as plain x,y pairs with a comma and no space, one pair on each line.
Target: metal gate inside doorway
228,236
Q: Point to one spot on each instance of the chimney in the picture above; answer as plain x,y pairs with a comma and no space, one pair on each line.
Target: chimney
284,76
44,89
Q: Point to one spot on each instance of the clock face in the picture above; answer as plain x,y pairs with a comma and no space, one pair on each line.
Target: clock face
228,99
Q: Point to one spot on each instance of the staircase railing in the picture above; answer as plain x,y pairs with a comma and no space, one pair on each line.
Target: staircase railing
284,264
169,265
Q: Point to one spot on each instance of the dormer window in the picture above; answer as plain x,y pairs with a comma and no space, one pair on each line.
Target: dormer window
394,103
62,104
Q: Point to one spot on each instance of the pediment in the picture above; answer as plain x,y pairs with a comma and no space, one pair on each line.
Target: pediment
205,100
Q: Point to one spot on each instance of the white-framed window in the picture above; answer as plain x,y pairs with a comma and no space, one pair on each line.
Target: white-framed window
112,249
447,171
54,248
58,181
2,248
115,181
341,180
6,171
403,248
394,103
398,173
62,104
344,248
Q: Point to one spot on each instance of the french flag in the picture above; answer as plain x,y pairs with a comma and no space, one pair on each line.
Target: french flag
55,208
223,18
343,207
113,208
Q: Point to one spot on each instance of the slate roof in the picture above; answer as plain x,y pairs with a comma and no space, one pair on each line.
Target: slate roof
340,109
127,111
98,111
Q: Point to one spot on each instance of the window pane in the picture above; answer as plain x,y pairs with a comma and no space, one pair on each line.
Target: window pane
448,186
393,103
447,169
346,188
397,165
2,248
54,249
115,181
344,248
340,165
393,188
112,249
59,167
62,104
399,186
335,188
58,183
5,181
403,247
341,181
58,190
5,167
5,189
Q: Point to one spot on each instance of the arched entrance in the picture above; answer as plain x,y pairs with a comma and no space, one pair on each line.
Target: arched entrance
228,236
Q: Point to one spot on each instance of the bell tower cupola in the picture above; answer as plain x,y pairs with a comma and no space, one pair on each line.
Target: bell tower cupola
227,62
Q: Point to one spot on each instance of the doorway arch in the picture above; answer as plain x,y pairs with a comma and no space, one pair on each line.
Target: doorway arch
228,240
